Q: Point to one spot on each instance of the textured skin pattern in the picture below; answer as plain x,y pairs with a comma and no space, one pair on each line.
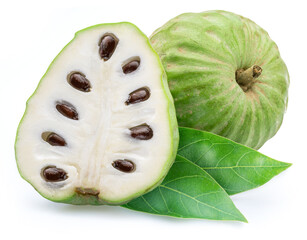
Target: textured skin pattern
201,53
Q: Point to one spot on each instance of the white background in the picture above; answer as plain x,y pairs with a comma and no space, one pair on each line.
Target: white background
31,35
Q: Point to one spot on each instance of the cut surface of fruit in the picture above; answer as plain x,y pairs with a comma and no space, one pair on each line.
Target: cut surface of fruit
226,75
101,126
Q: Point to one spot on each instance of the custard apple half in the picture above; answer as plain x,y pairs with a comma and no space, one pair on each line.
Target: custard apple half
101,126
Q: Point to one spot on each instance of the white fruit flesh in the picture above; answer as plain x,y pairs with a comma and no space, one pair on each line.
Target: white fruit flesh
101,135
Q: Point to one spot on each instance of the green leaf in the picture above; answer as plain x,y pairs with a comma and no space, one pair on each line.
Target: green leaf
188,192
235,167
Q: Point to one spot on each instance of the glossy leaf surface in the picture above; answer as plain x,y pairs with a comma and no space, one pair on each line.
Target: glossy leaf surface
235,167
188,192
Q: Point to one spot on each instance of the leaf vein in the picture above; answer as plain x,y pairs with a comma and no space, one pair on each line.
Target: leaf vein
149,204
179,178
201,140
240,176
202,203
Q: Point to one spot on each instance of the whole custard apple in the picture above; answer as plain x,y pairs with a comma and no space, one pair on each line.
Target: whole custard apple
225,74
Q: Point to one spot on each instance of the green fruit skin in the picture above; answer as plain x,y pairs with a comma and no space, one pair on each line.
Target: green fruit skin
201,53
78,199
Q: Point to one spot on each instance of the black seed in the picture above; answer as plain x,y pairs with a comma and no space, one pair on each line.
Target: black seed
67,110
139,95
124,165
141,132
107,46
131,66
53,139
54,174
79,81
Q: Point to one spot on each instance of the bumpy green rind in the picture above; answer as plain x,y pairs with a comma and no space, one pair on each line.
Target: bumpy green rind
78,199
200,53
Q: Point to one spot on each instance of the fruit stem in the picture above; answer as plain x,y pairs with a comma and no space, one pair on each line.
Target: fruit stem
247,77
